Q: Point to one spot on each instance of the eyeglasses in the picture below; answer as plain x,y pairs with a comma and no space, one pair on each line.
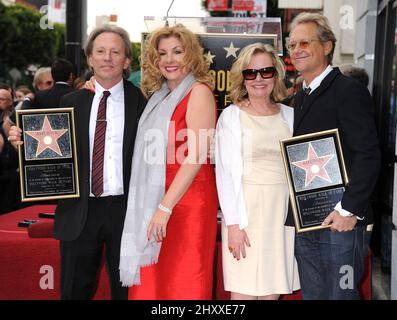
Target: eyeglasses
266,73
303,44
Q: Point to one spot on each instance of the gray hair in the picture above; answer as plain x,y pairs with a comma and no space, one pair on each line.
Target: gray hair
324,31
89,45
39,75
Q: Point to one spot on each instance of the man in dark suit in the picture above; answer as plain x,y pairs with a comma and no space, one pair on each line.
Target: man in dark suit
106,124
331,261
63,75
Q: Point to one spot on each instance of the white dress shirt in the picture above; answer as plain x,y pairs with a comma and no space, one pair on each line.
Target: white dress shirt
317,80
113,154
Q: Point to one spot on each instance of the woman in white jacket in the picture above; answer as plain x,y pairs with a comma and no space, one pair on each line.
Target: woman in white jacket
258,250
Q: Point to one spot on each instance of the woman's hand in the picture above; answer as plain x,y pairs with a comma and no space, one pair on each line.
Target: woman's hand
90,84
237,240
14,136
158,225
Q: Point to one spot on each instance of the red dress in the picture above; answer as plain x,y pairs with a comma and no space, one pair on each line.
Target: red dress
185,266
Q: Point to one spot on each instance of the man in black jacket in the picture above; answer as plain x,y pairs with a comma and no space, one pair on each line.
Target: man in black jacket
331,261
106,124
63,75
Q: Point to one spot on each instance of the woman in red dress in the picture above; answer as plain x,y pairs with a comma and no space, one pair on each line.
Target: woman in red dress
169,234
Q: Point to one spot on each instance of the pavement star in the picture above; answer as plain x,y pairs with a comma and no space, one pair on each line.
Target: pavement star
209,57
231,50
47,138
314,166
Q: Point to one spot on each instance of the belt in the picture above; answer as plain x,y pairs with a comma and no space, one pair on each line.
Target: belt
108,198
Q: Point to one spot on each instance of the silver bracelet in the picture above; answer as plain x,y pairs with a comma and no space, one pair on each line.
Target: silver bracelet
164,209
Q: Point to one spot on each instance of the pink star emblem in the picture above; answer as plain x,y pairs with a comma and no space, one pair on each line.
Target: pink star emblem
314,166
47,138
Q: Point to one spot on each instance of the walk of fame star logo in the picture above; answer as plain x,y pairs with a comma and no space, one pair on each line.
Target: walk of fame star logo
231,50
314,166
47,138
209,58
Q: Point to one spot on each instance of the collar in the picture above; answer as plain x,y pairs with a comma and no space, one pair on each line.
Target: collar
62,82
317,80
115,91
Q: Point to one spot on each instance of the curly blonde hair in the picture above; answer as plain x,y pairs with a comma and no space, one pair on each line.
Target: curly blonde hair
194,61
238,91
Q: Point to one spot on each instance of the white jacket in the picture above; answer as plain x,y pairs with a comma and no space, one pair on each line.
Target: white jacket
229,163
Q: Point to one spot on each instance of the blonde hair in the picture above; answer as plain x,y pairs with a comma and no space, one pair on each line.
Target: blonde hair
324,31
238,92
194,61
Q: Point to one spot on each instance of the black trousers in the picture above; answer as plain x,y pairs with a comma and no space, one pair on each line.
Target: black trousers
81,258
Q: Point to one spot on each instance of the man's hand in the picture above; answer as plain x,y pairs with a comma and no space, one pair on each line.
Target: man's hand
14,136
340,223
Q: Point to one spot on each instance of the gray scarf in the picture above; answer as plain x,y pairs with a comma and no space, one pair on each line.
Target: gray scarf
147,183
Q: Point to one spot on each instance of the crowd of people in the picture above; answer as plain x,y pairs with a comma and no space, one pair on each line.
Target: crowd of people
150,194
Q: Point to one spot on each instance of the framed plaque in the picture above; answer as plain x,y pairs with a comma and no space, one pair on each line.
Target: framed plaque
47,159
316,175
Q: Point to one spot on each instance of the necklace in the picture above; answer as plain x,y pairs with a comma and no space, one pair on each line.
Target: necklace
268,112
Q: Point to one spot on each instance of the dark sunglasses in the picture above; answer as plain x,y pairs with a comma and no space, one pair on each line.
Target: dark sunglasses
266,73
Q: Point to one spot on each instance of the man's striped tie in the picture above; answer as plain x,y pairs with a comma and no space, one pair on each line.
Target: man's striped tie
99,148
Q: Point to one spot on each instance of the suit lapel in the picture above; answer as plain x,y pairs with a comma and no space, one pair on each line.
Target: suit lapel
130,120
300,114
85,112
298,101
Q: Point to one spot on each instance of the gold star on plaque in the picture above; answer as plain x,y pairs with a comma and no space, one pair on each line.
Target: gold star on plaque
231,50
209,57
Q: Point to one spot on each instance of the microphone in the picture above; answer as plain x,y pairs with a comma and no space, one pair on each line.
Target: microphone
166,18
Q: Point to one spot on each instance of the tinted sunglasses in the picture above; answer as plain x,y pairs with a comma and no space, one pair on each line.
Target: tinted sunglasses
266,73
303,44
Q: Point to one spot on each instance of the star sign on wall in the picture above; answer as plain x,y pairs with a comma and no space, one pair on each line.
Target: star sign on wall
209,57
231,50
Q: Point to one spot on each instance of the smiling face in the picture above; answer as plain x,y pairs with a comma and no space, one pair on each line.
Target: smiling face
259,87
171,54
310,61
108,59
